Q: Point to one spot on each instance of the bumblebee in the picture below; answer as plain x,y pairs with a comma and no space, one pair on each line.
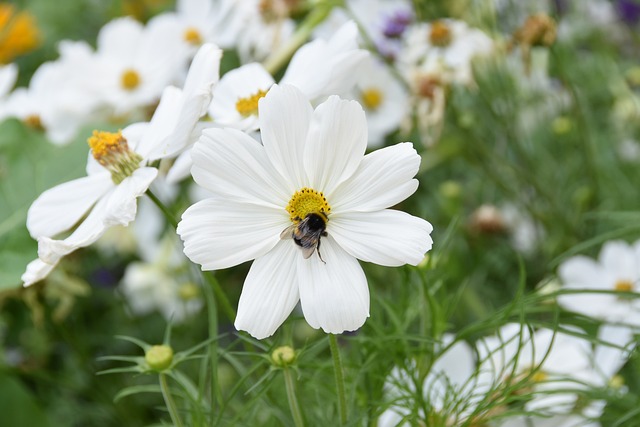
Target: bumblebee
307,233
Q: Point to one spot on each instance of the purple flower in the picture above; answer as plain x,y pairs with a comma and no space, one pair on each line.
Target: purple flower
394,25
628,11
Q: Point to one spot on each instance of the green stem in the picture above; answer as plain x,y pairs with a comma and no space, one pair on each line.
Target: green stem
290,384
337,368
318,14
167,213
212,317
168,400
221,297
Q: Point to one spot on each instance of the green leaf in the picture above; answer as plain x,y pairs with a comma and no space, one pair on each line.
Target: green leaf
29,164
18,406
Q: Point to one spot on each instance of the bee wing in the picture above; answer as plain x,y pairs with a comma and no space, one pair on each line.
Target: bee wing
288,232
308,251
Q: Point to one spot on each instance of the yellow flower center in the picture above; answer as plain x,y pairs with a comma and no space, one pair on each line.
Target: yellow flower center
623,286
306,201
440,34
130,79
539,376
372,98
34,122
249,105
192,36
19,33
112,151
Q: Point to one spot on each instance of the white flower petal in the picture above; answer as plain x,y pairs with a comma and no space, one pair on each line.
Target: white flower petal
335,144
581,272
334,294
383,179
231,163
60,207
89,230
387,237
619,258
181,168
219,233
36,271
270,292
122,204
285,115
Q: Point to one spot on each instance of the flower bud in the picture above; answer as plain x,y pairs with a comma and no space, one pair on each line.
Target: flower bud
283,356
159,357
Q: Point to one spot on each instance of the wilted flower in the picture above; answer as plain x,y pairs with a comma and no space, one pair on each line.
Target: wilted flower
310,183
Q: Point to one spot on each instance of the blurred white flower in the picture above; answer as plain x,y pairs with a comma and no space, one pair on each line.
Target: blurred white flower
453,390
118,172
618,270
8,77
448,43
526,234
196,22
57,100
135,63
384,98
266,26
159,283
309,183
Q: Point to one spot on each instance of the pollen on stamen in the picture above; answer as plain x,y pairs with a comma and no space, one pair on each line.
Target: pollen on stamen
192,36
372,98
130,79
306,201
112,151
440,34
249,105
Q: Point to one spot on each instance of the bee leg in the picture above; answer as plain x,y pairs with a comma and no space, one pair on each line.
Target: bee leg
318,249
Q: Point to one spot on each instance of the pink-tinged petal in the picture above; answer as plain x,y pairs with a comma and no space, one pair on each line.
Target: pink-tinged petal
285,115
383,179
391,238
122,204
619,258
60,207
231,163
219,233
269,293
36,270
334,293
335,144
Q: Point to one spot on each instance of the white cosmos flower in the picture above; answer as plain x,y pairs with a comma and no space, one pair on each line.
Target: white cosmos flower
8,77
385,101
136,63
117,171
312,165
555,364
450,43
201,21
617,269
453,388
319,68
57,100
